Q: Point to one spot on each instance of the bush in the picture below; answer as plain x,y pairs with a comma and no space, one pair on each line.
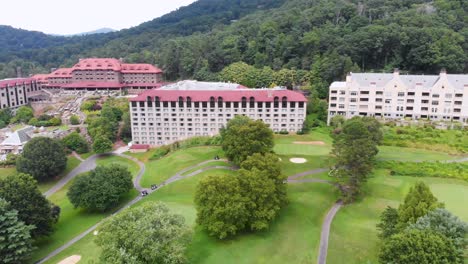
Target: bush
284,132
160,152
76,142
426,169
74,120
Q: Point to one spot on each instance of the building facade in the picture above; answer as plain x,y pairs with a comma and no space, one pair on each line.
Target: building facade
103,74
187,109
396,96
15,92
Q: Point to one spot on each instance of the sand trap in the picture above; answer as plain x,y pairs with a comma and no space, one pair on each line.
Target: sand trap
71,260
317,143
297,160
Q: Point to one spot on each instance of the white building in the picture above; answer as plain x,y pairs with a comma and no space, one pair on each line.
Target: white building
396,96
192,108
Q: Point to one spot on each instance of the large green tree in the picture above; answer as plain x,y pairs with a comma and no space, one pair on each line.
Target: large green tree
388,222
243,137
262,184
221,207
21,191
355,148
102,144
15,236
43,158
416,246
101,188
144,235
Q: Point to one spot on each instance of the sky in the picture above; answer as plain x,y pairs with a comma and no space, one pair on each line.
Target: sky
76,16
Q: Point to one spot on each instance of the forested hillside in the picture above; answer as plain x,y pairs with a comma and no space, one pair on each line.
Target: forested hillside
324,37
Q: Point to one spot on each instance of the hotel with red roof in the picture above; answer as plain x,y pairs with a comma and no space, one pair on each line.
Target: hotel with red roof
190,108
103,74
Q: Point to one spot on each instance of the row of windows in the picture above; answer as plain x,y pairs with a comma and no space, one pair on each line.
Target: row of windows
399,94
219,104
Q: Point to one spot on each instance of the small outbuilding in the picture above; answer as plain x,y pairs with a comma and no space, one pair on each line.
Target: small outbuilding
139,148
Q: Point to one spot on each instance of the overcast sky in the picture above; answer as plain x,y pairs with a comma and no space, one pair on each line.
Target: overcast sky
76,16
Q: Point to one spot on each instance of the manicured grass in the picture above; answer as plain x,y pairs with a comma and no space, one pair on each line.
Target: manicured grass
86,155
412,154
313,162
74,221
160,170
7,171
284,144
353,237
293,237
210,164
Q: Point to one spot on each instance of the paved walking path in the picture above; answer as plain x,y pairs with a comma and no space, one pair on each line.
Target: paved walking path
324,236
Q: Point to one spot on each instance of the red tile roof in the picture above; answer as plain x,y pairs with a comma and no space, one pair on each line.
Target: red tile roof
61,73
14,82
41,77
260,95
99,85
140,68
140,146
154,85
98,64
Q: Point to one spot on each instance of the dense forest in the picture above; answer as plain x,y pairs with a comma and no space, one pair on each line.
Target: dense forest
325,38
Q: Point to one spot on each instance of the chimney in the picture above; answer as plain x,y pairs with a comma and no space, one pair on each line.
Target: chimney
396,72
348,77
443,72
19,72
52,70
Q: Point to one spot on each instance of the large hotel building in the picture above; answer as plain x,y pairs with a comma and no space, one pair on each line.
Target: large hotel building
190,108
397,96
103,74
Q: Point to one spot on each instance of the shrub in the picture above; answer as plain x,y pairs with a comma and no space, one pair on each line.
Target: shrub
426,169
160,152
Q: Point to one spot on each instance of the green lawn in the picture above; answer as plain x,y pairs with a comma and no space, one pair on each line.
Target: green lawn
284,144
293,238
160,170
210,164
74,221
353,237
412,154
7,171
313,162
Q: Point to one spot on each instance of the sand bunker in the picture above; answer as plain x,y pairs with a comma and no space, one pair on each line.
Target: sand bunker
298,160
71,260
317,143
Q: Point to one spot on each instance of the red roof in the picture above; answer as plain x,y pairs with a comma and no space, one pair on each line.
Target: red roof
140,68
99,85
260,95
40,77
140,146
61,73
98,64
14,82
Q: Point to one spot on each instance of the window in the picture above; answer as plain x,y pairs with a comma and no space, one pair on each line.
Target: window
189,101
276,102
220,102
244,102
252,102
353,93
284,102
212,102
435,96
401,94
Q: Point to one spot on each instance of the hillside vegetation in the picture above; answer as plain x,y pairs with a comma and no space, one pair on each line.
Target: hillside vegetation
332,36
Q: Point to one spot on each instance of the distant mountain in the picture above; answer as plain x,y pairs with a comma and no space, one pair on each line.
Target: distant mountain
97,31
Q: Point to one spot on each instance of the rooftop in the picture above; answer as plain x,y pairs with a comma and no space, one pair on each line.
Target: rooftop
207,86
16,81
